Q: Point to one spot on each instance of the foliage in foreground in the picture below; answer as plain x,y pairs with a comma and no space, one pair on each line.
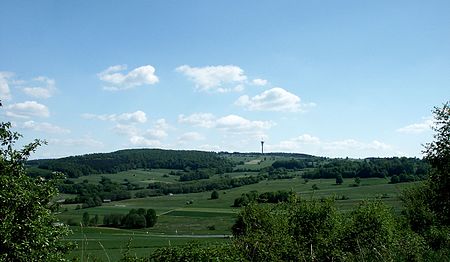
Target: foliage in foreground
28,229
427,206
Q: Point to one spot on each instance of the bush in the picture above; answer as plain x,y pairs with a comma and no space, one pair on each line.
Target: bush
214,195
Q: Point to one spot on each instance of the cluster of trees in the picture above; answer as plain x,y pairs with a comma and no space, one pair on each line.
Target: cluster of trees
202,186
191,175
136,218
277,173
76,166
267,197
404,178
90,195
293,164
371,167
87,220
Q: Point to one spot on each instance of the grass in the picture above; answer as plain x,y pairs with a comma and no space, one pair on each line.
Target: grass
186,217
107,244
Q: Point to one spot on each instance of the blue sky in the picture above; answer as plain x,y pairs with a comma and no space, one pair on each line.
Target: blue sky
329,78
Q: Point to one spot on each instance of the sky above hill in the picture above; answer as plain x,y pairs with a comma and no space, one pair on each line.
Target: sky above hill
329,78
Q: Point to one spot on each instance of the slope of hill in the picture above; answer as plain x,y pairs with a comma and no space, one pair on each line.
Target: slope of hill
122,160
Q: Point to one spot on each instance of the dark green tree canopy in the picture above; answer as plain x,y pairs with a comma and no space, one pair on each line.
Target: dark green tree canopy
28,229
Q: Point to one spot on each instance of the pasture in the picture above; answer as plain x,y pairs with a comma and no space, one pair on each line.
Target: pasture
196,217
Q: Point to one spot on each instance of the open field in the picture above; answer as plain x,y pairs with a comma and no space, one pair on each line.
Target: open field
108,244
186,217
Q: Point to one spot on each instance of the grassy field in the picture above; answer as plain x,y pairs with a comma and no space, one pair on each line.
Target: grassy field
107,244
195,217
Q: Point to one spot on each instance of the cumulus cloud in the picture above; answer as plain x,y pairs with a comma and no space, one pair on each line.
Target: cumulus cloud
417,128
238,124
39,87
230,124
341,148
75,142
222,78
259,82
136,117
156,133
142,141
128,130
5,92
139,137
190,137
352,144
43,87
275,99
27,109
44,127
117,80
198,119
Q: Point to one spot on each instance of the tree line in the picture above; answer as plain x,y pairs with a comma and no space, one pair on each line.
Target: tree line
266,197
101,163
136,218
203,185
90,195
370,167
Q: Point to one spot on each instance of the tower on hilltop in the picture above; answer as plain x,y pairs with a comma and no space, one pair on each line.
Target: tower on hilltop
262,146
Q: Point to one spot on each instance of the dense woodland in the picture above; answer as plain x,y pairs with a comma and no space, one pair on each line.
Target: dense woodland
76,166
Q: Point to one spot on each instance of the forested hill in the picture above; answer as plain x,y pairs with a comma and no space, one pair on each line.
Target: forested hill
75,166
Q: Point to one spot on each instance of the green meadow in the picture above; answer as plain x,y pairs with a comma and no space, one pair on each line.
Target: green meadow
195,217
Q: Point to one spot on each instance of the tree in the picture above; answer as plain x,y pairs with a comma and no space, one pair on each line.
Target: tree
85,219
339,179
437,153
357,181
427,206
28,228
214,195
150,217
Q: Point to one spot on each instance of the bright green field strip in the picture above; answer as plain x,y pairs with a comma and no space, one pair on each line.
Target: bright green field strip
106,244
186,213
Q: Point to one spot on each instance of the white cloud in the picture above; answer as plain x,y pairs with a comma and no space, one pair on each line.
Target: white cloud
417,128
230,124
198,119
162,124
138,137
156,133
237,124
142,141
135,117
115,80
5,92
341,148
27,109
190,136
215,78
351,144
275,99
45,127
85,142
128,130
45,87
307,139
259,82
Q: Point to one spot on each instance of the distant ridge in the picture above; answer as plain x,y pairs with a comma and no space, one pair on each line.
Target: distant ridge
127,159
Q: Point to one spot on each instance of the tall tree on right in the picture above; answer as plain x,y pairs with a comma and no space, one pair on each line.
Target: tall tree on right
437,153
427,206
